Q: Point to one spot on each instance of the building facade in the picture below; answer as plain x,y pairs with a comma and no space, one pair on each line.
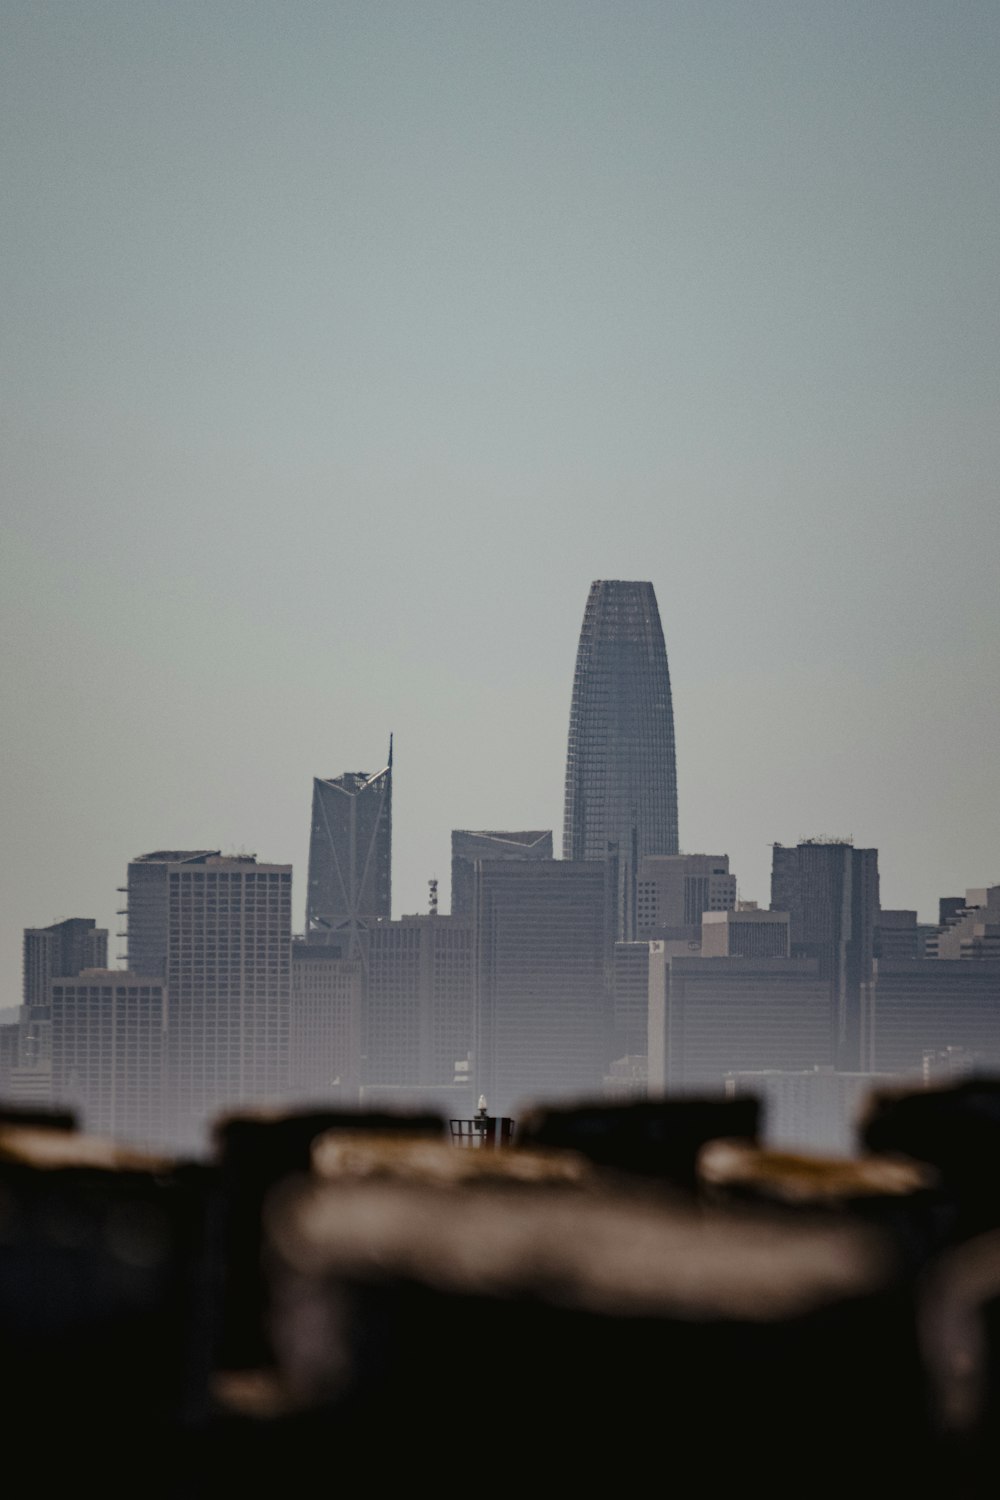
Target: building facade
469,845
709,1017
350,858
108,1044
325,1025
830,891
418,1009
621,771
543,941
219,929
746,933
674,891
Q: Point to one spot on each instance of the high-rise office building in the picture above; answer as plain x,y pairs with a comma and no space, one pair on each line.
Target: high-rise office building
468,845
418,1011
146,905
326,1024
946,1006
709,1017
108,1036
674,891
220,929
830,891
621,773
59,951
747,933
350,858
543,954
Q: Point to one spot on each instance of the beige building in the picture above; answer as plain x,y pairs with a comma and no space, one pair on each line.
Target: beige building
747,932
674,890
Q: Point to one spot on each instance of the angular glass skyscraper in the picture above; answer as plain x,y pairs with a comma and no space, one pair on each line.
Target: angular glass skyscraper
621,771
350,857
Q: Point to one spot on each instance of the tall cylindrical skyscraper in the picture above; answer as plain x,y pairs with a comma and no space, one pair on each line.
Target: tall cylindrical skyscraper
621,770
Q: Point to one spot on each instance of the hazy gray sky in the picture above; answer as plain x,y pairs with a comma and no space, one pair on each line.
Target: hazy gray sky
344,344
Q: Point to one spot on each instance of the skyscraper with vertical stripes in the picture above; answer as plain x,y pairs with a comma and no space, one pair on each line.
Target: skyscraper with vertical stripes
350,858
621,770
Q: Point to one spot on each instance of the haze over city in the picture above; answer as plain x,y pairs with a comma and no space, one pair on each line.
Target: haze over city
344,347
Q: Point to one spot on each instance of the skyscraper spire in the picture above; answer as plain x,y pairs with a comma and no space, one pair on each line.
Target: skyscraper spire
621,774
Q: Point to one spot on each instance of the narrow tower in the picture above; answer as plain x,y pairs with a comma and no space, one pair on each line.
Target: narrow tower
350,857
621,773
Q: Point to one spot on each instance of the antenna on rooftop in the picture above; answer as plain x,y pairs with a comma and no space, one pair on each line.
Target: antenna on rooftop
432,889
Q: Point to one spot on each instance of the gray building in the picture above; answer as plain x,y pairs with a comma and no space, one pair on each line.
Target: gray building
745,933
325,1024
226,925
146,907
58,951
469,845
621,772
350,858
418,1007
674,891
830,891
543,941
709,1017
936,1007
108,1043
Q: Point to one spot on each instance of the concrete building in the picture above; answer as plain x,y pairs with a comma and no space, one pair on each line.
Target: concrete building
543,939
971,931
830,891
629,1000
899,935
418,1008
108,1046
674,891
468,846
60,951
746,933
923,1007
146,906
325,1024
709,1017
219,927
621,771
350,858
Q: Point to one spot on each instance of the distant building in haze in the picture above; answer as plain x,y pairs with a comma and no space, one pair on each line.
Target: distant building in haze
418,1010
220,928
467,846
941,1007
673,892
59,951
709,1017
325,1024
972,930
108,1040
350,858
746,933
621,770
543,942
830,891
147,910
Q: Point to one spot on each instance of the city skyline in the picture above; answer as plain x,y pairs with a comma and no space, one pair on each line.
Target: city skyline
344,347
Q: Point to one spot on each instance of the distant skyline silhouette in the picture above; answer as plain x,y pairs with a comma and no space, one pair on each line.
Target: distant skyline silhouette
344,346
